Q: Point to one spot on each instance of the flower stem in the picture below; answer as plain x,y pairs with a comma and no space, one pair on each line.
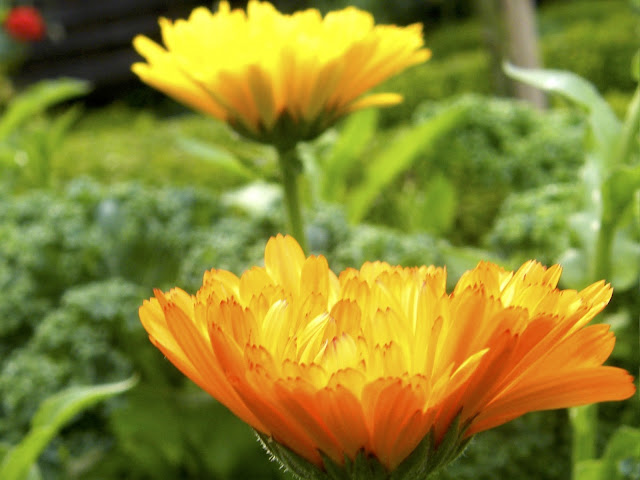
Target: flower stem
584,420
584,426
291,169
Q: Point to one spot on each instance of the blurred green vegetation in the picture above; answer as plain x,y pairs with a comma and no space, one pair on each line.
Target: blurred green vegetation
594,39
132,201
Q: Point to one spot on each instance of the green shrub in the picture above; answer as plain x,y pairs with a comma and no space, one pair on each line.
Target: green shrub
535,223
599,50
499,147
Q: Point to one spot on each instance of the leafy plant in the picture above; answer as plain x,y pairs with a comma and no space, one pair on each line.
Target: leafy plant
611,181
620,461
54,413
28,141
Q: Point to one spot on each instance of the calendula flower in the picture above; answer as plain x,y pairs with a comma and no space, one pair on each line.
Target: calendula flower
370,363
277,78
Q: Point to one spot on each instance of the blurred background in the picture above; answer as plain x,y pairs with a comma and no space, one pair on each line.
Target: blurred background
109,189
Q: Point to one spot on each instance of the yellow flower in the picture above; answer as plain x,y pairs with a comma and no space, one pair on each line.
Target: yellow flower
376,359
269,74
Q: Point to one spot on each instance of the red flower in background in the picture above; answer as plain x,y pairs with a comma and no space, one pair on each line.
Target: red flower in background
25,24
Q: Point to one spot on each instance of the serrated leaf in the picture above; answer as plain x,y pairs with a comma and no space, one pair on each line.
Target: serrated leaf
51,416
291,461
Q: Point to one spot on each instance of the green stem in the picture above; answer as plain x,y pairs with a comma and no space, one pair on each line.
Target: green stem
290,169
604,248
584,426
629,131
584,420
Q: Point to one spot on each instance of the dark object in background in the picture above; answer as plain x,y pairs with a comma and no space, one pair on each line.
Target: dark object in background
91,39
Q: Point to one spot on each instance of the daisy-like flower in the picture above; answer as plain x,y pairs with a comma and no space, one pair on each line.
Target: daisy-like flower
374,364
273,77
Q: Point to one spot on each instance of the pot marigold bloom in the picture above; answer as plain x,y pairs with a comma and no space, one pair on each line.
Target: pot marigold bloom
25,24
370,363
273,76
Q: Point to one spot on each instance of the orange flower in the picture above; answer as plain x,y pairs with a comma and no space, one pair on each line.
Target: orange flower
272,76
376,359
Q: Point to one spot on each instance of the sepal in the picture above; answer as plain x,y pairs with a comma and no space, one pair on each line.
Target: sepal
423,461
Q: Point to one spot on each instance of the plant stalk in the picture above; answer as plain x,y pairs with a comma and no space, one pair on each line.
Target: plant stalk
291,170
584,420
629,131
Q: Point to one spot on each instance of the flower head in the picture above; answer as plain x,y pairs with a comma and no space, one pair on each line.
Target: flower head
375,360
271,75
25,24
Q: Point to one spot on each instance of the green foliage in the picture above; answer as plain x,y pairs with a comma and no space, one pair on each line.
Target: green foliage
596,44
533,446
36,99
621,459
196,438
53,414
55,247
397,157
611,182
535,223
118,144
497,147
28,138
87,339
594,39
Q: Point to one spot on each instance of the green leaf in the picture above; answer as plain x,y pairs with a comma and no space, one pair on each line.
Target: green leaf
60,126
625,261
575,268
221,158
51,416
623,445
356,134
603,122
38,98
618,190
589,470
397,157
438,210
